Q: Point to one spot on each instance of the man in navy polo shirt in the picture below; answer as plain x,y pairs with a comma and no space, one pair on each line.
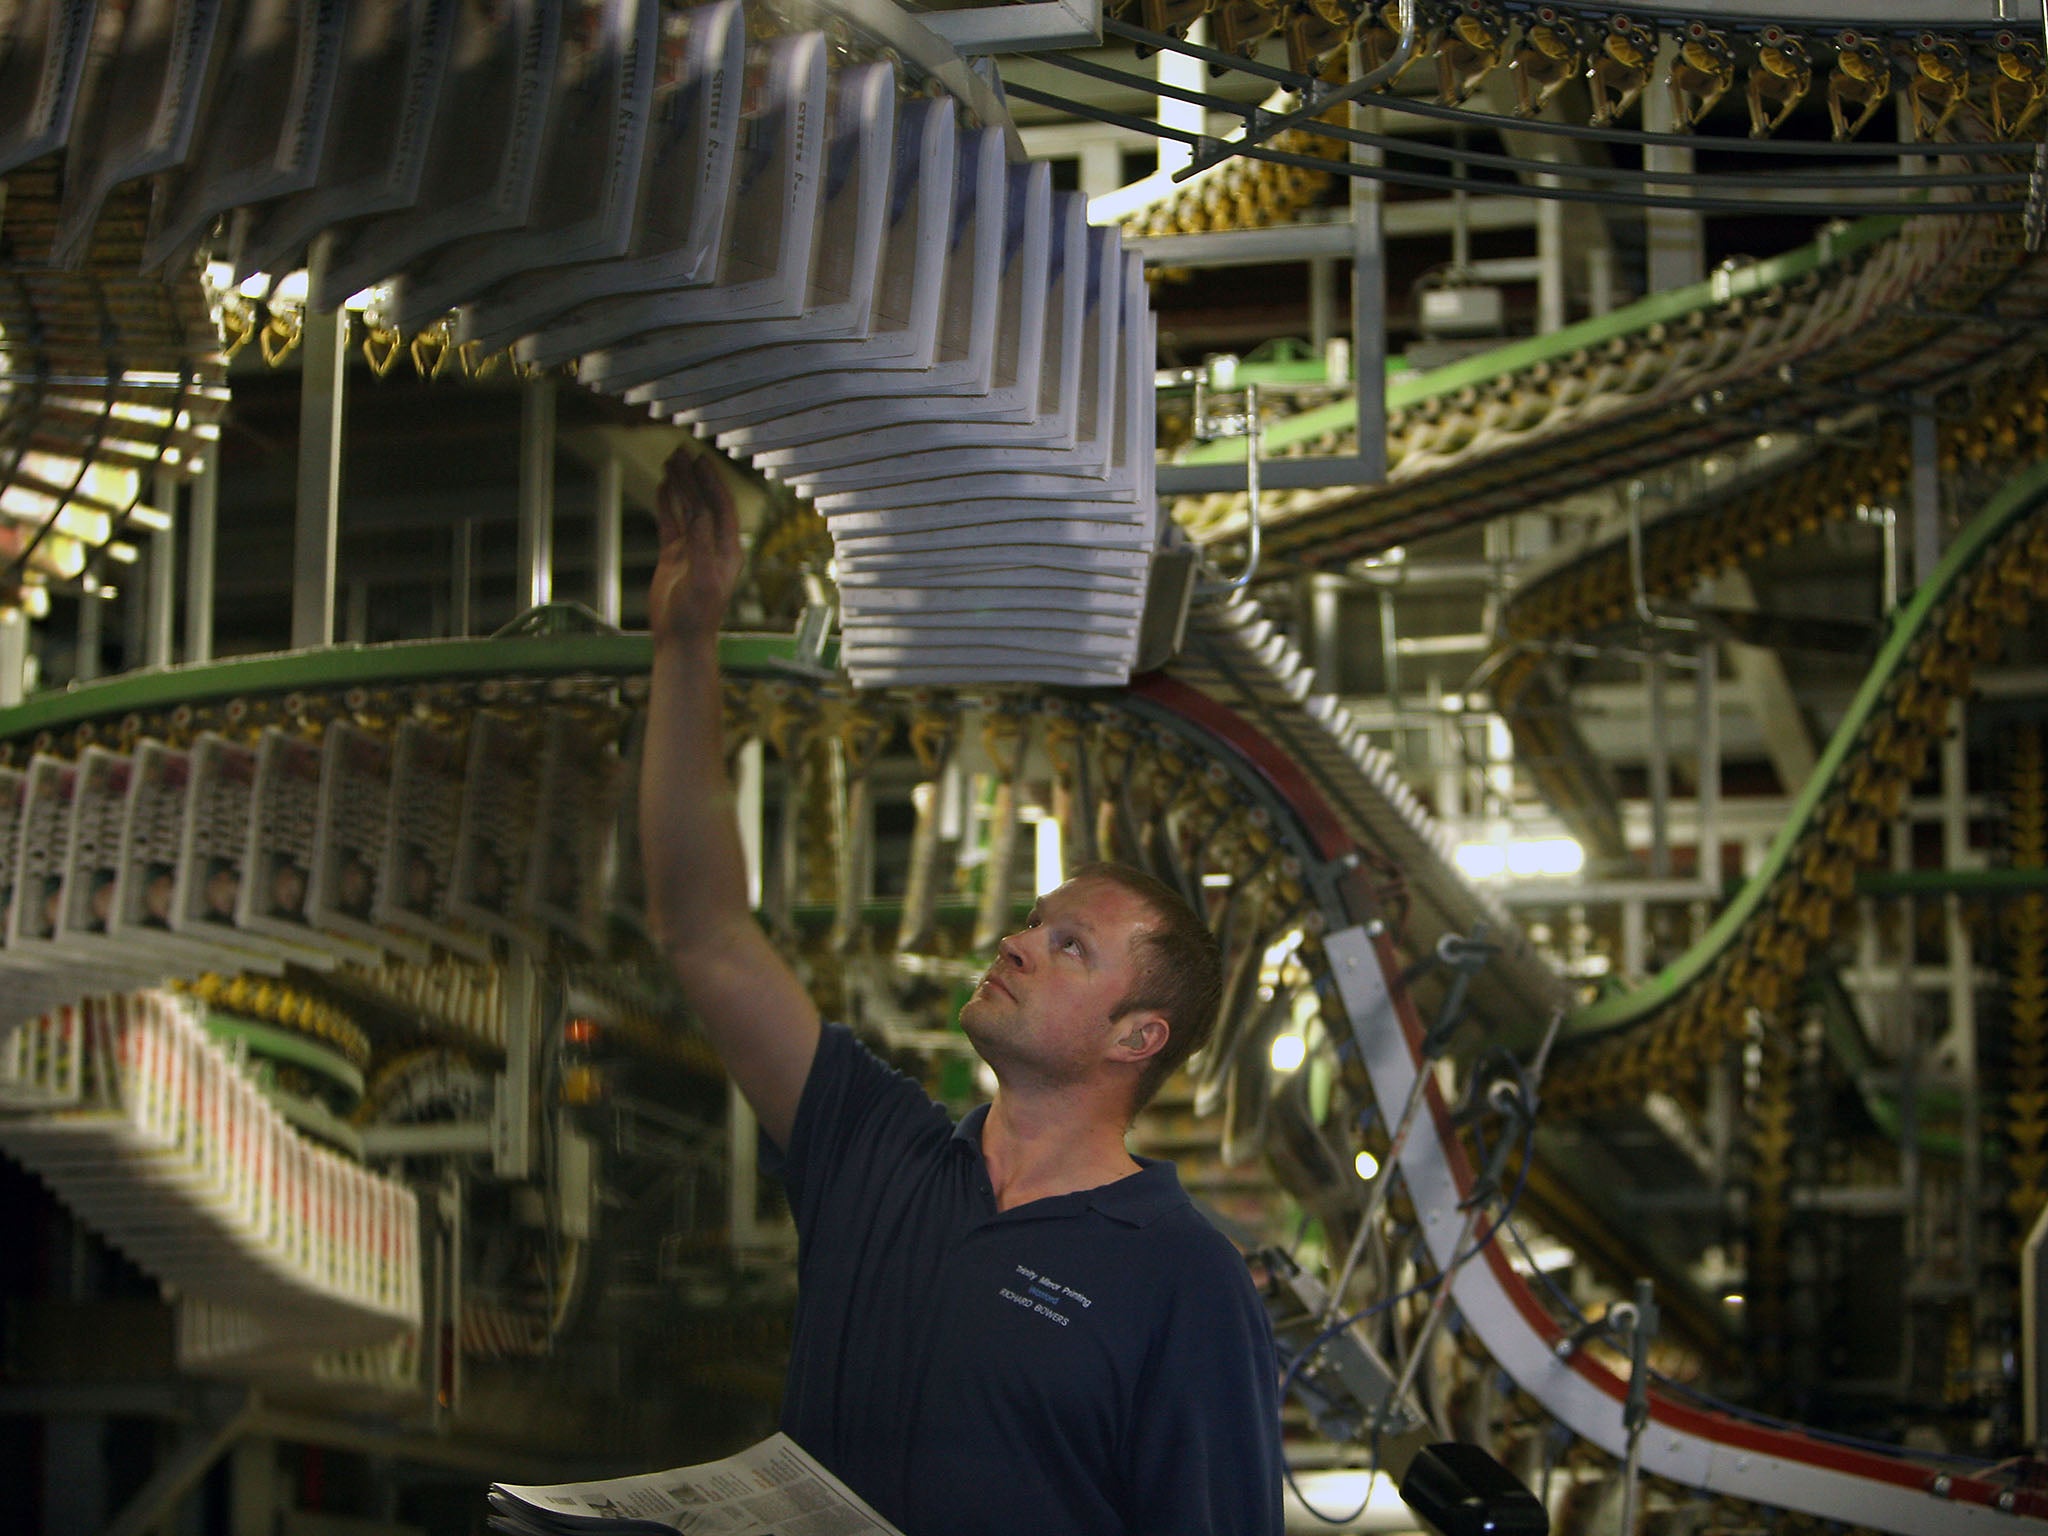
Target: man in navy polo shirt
1011,1325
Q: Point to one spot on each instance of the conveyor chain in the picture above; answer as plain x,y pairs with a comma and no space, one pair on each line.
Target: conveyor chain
1986,68
1866,318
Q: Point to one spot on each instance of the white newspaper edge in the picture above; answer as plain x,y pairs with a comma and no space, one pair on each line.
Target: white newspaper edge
709,1497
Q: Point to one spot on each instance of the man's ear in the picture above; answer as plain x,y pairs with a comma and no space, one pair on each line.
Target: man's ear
1140,1035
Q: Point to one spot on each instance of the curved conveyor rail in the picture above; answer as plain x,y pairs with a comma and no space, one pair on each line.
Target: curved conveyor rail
1755,950
1772,1466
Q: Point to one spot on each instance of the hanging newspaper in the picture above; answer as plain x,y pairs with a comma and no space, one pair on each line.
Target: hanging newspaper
44,834
569,870
355,806
146,884
13,789
774,1488
99,804
496,838
213,858
419,844
282,832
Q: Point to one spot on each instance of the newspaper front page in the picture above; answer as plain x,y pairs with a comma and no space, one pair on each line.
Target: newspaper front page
774,1488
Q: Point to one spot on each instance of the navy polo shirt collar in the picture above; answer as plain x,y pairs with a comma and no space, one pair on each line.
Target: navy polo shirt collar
1136,1201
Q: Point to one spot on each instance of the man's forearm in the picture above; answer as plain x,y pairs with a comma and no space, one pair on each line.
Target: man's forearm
689,832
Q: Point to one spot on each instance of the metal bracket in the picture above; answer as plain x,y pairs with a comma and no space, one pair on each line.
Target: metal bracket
1315,101
1032,27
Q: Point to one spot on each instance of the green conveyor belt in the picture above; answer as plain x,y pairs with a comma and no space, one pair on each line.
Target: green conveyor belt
1631,319
368,666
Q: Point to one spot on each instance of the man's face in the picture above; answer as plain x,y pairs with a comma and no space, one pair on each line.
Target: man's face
1045,1007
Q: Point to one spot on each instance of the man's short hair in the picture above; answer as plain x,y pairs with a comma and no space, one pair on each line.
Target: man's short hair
1180,971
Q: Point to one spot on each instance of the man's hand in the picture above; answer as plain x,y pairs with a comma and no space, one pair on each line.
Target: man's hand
700,549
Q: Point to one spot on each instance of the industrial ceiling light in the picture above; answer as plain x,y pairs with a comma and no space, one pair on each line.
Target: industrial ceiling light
1521,858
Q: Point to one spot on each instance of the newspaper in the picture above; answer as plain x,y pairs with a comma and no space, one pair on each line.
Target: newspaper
774,1488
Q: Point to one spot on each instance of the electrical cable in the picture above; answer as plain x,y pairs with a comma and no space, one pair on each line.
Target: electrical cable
1710,180
1505,188
1458,1262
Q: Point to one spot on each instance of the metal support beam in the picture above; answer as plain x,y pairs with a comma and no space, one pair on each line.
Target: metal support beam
1658,766
1551,255
1707,765
1367,466
1926,490
537,491
134,612
1326,599
252,1487
1102,167
201,532
161,609
357,628
608,516
1322,302
1305,242
462,576
180,1472
1957,1049
13,656
92,613
323,354
1368,298
1179,71
1674,240
1767,691
161,605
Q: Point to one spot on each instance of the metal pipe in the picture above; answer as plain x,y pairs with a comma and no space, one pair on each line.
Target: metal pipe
536,491
1674,240
160,609
1962,989
323,354
92,610
13,656
1909,1069
1369,294
462,575
1657,766
201,529
606,539
1390,656
1888,577
1926,490
1707,764
1322,301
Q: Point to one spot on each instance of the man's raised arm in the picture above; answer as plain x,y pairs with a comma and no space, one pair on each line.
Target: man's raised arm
750,1003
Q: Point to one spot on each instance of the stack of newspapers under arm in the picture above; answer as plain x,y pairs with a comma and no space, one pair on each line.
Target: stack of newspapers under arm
774,1488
